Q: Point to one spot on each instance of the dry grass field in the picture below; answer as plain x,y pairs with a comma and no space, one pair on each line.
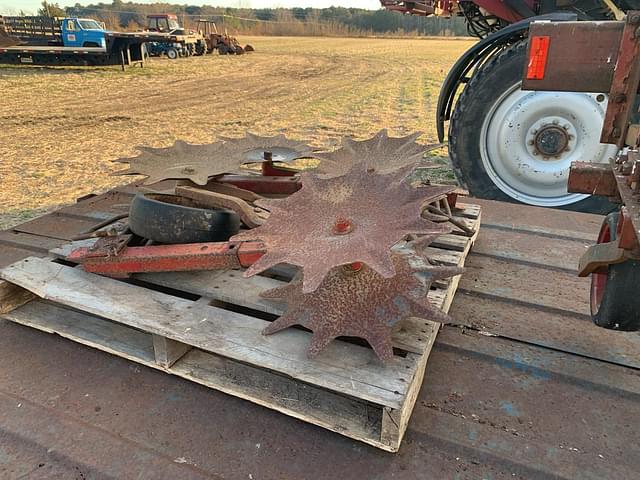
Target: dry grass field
60,129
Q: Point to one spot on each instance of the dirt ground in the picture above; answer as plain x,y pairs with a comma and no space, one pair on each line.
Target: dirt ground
61,129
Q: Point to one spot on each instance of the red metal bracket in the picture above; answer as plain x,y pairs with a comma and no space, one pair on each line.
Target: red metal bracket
592,179
624,86
170,258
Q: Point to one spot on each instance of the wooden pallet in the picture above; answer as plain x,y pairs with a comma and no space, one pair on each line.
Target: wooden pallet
206,327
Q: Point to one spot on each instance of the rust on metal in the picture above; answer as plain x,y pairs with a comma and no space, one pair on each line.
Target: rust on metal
380,152
198,163
624,85
108,246
250,215
341,220
356,301
592,179
282,185
574,61
181,161
627,178
169,258
255,149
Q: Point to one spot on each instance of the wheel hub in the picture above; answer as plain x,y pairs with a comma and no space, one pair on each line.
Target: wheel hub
551,141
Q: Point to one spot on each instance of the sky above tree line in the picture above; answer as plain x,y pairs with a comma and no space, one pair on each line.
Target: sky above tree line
9,7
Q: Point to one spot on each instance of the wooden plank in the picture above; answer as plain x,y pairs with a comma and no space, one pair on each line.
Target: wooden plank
231,287
529,284
62,227
556,233
341,367
466,210
529,358
167,351
86,329
512,215
9,255
556,330
345,415
26,241
530,247
12,296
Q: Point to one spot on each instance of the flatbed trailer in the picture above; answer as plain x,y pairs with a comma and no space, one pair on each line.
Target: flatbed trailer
39,41
535,390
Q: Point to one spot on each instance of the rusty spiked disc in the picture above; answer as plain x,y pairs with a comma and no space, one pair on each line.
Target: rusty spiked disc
200,162
180,161
380,152
341,220
251,148
356,301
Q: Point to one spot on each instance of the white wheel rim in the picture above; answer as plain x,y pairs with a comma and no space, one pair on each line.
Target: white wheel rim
529,139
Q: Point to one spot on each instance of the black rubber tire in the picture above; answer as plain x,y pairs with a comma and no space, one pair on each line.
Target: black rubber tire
620,305
172,219
495,77
201,49
172,53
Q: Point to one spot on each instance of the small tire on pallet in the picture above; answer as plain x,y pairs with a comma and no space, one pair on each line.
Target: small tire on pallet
172,219
513,145
614,298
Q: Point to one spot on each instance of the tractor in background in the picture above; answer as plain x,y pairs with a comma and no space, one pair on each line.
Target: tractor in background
189,42
223,43
506,143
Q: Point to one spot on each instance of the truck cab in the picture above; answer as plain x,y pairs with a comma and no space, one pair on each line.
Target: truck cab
82,32
164,23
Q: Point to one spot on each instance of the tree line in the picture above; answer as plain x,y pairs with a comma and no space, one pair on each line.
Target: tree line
333,21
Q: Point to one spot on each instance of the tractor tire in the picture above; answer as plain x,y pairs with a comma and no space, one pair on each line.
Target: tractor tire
614,294
172,53
249,48
172,219
513,145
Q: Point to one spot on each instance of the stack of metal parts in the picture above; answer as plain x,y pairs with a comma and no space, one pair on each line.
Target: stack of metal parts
338,228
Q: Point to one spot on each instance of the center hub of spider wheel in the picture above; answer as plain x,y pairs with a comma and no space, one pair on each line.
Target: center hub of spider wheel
551,140
342,226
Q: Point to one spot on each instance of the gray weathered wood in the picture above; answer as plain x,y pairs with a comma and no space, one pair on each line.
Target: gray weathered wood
341,367
167,351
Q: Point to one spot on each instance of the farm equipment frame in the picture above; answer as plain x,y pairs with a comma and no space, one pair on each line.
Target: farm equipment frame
611,67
